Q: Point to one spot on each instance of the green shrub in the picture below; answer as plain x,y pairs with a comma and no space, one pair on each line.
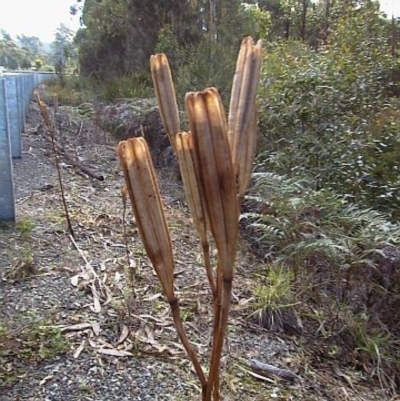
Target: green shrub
127,86
321,117
71,90
206,64
47,68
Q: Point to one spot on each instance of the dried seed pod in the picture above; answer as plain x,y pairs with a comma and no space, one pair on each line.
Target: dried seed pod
217,180
208,125
165,94
242,119
187,163
146,202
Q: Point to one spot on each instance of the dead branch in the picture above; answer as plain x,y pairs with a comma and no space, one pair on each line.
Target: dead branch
265,369
73,161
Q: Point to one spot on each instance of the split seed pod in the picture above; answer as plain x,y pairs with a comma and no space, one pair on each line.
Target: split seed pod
217,179
216,176
187,163
165,94
146,202
242,119
186,157
147,207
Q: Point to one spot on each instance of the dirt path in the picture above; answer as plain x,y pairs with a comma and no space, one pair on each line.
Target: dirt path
70,328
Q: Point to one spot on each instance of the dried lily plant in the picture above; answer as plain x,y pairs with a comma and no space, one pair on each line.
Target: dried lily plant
215,158
50,128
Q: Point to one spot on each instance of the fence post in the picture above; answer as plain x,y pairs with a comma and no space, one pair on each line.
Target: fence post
7,205
14,123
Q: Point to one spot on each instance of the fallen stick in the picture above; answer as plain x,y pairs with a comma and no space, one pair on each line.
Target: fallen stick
75,163
76,327
265,369
72,160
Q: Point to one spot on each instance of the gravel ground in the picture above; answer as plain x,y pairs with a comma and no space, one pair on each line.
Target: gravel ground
106,344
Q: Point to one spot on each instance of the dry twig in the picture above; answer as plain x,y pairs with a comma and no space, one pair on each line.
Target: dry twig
50,127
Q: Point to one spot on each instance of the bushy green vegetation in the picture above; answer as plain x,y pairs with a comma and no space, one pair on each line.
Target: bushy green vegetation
328,115
22,53
326,195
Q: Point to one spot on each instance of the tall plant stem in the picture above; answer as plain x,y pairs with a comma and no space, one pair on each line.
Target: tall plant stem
207,263
213,378
50,128
217,316
57,161
176,314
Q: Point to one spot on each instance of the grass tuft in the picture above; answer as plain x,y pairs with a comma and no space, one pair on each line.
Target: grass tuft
27,340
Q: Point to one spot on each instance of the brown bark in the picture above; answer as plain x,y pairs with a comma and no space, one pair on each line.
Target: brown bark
303,20
393,38
328,6
213,21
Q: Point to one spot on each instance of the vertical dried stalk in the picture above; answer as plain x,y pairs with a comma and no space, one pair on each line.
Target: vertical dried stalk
216,162
50,128
183,146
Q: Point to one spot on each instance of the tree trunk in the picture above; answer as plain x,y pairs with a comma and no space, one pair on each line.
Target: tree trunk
213,21
286,28
303,21
393,38
326,22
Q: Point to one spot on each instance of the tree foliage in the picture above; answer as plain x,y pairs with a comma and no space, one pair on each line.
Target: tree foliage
20,53
64,52
118,36
26,52
329,114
